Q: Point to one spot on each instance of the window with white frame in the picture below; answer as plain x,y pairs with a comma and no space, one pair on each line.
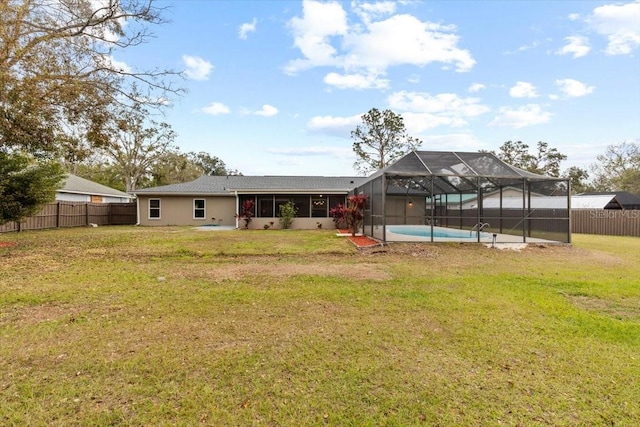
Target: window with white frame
199,209
154,208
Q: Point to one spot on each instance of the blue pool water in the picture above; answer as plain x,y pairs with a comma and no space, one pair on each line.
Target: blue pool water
425,231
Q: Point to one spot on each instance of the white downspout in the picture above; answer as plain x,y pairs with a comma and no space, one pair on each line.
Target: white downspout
137,210
237,208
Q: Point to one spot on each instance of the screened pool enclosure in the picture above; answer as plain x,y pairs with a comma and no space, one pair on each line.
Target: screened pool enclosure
464,197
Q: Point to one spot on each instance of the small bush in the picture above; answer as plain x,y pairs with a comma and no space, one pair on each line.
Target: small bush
288,212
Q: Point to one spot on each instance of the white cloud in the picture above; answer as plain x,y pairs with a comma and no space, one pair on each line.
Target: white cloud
319,22
531,114
420,122
476,87
216,108
267,111
336,126
246,28
100,9
111,62
523,90
423,111
573,88
403,39
525,47
414,78
451,142
197,68
574,16
619,24
369,47
339,152
447,103
355,81
577,46
369,11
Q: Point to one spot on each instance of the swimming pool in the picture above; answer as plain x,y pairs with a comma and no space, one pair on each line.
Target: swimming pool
438,232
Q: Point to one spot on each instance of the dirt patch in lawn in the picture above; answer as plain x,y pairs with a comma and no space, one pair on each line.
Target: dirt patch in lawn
626,309
38,314
360,271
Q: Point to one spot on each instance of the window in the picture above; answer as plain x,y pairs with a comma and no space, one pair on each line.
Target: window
154,208
198,209
336,200
303,206
265,205
281,201
319,207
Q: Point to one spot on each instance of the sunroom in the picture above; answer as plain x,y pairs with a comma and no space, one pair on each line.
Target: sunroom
436,196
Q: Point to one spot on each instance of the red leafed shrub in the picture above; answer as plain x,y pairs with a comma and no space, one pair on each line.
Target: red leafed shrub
353,214
247,212
338,214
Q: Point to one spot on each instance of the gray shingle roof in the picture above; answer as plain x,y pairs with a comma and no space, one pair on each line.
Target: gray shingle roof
77,185
217,185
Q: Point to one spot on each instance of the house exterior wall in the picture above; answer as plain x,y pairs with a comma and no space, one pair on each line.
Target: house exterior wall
297,224
88,198
73,197
399,207
179,210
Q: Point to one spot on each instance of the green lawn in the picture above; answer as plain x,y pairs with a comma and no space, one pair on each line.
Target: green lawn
173,326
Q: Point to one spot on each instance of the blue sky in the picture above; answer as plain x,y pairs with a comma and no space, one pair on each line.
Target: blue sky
275,87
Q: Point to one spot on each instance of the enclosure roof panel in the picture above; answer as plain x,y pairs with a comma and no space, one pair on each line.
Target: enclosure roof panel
456,163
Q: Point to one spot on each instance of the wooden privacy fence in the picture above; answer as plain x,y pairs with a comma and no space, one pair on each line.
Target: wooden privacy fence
76,214
606,222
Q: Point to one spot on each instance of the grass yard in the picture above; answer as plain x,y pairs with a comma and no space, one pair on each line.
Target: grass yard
172,326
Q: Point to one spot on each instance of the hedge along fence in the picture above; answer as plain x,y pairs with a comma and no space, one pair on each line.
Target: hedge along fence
606,222
76,214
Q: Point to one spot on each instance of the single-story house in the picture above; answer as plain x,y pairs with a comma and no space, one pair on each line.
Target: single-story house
216,200
76,189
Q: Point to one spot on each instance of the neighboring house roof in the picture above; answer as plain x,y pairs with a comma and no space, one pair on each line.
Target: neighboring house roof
224,185
616,199
606,200
76,185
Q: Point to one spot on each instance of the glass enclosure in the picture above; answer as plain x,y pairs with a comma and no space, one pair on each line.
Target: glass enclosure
464,197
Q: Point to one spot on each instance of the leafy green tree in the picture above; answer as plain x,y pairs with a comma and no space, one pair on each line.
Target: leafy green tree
59,82
137,145
579,179
173,168
618,168
545,161
99,169
210,165
380,140
25,185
